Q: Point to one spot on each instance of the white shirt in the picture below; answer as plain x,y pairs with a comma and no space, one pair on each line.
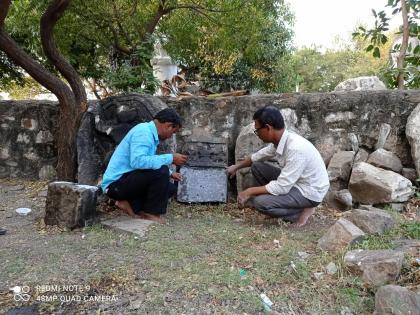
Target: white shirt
301,167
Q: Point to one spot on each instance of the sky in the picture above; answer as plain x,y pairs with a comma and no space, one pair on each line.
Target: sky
320,21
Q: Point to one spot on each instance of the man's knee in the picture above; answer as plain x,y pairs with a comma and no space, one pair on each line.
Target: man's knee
256,167
163,171
259,202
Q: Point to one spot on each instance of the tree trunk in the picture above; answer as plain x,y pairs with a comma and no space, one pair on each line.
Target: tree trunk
404,45
71,103
75,102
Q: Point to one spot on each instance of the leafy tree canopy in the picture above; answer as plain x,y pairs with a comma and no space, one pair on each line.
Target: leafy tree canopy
318,71
229,44
406,71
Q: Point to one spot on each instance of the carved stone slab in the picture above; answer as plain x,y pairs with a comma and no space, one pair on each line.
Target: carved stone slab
202,184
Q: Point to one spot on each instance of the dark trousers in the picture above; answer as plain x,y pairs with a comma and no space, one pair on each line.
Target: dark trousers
288,206
146,190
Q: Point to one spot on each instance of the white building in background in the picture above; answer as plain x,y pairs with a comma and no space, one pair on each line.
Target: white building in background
163,66
4,96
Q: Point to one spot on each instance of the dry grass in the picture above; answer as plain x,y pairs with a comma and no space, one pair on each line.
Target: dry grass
208,259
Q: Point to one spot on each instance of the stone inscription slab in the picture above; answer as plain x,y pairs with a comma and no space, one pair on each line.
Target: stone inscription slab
206,152
202,185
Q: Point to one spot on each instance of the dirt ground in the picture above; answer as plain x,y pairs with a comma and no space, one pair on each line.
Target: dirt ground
207,259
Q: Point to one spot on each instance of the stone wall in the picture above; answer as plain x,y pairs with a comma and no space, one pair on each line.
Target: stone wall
332,121
27,145
329,120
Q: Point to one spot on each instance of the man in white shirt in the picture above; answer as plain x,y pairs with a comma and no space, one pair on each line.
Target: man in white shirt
293,190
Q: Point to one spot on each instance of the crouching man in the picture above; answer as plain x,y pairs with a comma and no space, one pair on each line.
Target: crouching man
136,176
292,190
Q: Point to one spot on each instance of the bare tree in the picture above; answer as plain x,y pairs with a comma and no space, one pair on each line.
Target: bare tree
72,99
404,45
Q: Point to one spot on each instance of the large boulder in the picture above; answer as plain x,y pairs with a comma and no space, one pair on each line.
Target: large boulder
371,185
377,267
396,300
386,160
361,83
373,221
412,132
340,235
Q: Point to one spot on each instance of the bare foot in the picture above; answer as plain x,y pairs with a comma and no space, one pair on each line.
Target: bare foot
304,216
151,217
125,206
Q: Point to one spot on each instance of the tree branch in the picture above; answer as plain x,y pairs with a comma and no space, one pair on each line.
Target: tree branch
117,18
153,22
4,9
33,68
48,20
117,44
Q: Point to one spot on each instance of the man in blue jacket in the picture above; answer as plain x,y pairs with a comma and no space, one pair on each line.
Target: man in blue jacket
136,176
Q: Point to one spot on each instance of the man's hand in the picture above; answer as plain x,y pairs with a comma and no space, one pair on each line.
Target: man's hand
231,170
177,176
243,197
179,159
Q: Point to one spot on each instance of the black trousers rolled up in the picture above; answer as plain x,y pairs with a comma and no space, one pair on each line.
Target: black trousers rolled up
146,190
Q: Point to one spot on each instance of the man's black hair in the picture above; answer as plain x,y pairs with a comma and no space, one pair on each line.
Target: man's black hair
168,115
269,115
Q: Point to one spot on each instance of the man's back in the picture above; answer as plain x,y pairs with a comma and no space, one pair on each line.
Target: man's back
313,181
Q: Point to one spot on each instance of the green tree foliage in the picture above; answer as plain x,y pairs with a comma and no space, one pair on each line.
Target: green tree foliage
228,44
318,71
28,88
247,48
406,72
10,74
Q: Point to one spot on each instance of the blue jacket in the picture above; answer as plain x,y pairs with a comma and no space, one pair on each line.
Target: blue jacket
136,151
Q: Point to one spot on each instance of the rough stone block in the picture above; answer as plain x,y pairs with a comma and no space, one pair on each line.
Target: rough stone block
393,299
412,132
341,199
202,185
361,83
339,169
386,160
371,221
409,173
372,185
384,131
128,225
377,267
340,235
70,204
361,156
408,246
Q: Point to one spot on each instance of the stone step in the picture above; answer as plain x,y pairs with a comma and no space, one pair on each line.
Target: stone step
127,224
